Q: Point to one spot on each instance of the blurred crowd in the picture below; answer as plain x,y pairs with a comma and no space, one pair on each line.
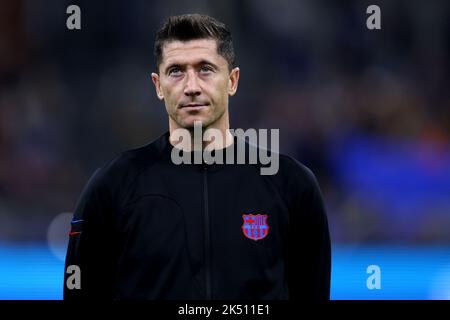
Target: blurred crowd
341,95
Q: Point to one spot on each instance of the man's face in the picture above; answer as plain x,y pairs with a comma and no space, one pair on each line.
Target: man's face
194,81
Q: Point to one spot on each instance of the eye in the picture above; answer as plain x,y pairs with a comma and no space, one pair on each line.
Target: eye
205,69
175,71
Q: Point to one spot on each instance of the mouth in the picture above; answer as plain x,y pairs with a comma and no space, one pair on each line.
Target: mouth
193,106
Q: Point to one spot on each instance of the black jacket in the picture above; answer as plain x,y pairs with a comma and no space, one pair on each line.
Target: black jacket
145,228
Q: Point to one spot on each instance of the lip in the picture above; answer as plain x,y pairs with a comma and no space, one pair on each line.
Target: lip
193,106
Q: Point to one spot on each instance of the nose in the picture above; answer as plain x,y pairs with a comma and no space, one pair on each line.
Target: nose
192,87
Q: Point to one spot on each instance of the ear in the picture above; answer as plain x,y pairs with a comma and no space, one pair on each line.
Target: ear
233,81
157,83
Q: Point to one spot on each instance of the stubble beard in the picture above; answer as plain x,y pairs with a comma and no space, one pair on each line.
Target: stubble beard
205,123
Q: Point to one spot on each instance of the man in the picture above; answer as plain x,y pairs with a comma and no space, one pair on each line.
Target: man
147,228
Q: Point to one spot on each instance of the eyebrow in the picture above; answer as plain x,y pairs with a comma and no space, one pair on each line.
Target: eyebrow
201,62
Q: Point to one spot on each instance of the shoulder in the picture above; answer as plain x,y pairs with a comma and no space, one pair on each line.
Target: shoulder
292,169
125,166
292,174
295,181
285,171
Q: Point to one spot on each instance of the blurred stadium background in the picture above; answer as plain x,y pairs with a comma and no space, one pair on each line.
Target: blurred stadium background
367,111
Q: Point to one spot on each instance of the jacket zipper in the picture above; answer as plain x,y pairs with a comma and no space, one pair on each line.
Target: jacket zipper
207,234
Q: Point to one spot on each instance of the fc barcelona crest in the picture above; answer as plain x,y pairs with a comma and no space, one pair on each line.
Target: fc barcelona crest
255,226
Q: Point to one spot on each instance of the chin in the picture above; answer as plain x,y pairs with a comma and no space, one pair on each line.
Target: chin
189,124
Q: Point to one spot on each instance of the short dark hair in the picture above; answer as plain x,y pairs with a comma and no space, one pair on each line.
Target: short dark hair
191,27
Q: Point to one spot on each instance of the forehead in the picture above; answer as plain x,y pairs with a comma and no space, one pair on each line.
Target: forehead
186,52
